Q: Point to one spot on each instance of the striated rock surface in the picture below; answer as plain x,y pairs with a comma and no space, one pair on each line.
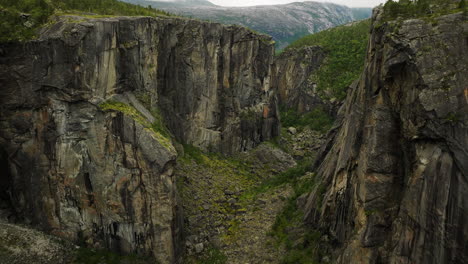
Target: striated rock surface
214,85
84,154
292,78
394,185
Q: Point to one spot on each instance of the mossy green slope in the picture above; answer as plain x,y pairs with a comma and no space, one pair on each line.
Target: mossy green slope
346,50
159,132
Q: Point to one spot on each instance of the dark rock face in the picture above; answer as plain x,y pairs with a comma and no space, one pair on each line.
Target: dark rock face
81,156
214,88
394,173
293,70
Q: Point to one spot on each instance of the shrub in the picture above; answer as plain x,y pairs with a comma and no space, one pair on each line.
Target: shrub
318,119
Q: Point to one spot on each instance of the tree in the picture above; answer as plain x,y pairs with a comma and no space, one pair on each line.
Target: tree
462,4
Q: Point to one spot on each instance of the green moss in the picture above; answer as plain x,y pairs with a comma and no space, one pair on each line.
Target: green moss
370,212
157,128
130,44
453,117
249,114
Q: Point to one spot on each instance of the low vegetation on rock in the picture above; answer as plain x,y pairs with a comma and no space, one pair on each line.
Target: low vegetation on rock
20,20
158,128
404,9
317,119
346,49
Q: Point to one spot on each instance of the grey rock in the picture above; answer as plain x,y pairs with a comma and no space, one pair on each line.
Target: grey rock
199,248
229,192
393,170
106,176
275,158
292,72
292,130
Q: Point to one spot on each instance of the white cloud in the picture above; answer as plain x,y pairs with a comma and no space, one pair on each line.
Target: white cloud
350,3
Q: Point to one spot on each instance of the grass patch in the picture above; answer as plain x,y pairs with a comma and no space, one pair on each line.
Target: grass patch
346,50
160,133
213,256
193,153
92,256
317,119
291,175
302,244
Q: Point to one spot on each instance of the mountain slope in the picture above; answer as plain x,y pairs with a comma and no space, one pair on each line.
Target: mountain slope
173,3
285,23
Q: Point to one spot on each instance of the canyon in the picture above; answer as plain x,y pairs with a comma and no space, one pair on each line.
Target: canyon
99,116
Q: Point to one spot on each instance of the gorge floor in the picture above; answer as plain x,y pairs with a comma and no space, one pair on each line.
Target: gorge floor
231,204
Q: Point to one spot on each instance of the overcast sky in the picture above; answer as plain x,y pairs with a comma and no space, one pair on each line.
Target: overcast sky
350,3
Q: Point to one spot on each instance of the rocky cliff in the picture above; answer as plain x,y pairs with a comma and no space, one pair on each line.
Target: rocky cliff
293,70
393,175
214,86
84,151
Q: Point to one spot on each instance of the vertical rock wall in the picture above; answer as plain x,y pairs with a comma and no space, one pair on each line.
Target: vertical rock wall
83,153
394,185
293,70
214,85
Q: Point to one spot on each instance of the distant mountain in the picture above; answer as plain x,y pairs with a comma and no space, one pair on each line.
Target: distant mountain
285,23
173,3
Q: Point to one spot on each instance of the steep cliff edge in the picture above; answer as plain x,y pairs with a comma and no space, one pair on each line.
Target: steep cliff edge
292,72
394,182
85,154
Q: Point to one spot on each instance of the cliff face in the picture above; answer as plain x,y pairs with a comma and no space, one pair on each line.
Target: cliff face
84,154
292,78
214,86
394,176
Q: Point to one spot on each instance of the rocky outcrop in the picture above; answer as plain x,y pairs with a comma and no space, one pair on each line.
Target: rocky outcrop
84,151
394,173
293,72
